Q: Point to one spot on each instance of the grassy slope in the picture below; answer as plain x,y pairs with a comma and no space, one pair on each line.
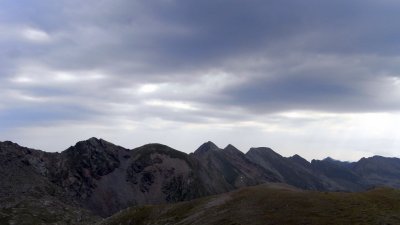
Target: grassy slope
266,204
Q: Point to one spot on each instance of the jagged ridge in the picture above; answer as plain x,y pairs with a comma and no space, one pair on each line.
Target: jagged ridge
105,178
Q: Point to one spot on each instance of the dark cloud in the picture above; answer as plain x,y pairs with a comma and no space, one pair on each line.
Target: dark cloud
154,37
210,62
319,83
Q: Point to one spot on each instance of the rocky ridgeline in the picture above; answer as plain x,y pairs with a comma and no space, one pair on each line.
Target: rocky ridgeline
97,178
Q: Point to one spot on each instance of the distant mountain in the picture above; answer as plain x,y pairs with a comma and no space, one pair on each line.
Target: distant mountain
341,174
227,169
377,171
294,170
96,178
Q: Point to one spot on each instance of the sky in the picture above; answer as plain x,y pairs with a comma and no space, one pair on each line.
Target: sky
317,78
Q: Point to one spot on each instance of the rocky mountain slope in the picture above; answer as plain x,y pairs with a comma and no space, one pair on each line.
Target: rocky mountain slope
104,178
227,169
95,178
27,194
295,171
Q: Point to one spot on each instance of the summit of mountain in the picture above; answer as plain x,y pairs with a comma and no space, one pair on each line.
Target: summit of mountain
206,147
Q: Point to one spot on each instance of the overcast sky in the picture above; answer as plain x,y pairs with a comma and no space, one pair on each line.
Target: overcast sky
315,77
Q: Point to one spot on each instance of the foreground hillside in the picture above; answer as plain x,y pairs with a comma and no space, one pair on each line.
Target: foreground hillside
271,204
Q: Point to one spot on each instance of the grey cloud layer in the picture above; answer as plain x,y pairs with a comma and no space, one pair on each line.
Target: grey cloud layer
274,56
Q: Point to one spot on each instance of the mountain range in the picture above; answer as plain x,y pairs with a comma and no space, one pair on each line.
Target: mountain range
95,179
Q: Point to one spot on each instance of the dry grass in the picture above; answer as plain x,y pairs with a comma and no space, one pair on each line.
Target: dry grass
271,205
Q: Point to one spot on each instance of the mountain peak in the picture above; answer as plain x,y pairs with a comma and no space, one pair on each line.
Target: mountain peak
8,143
263,150
231,148
329,159
300,160
93,141
94,145
9,146
206,147
297,157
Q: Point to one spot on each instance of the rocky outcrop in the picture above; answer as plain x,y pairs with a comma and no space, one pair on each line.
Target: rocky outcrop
80,167
28,196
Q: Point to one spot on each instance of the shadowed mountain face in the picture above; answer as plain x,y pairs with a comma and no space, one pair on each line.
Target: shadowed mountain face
227,169
106,178
377,171
340,173
295,170
28,195
97,178
329,174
